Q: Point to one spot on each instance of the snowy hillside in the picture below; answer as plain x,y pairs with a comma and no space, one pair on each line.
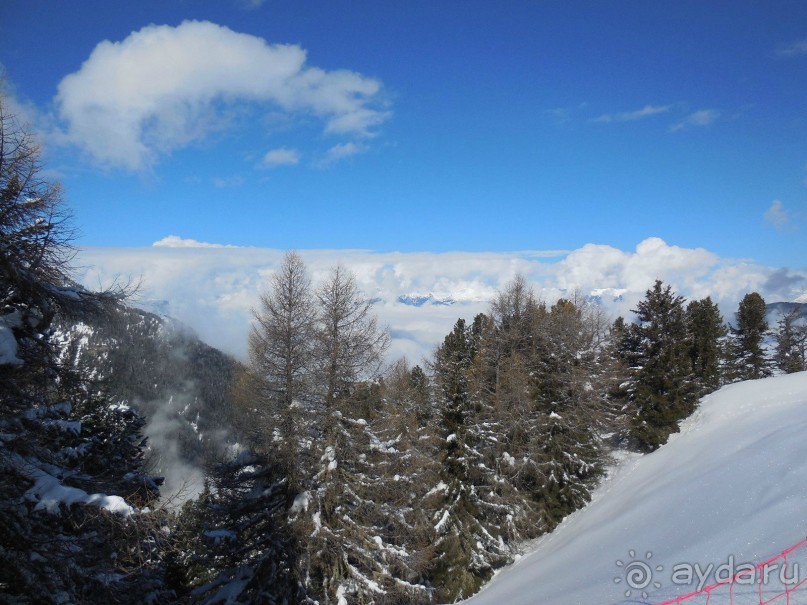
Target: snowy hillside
731,487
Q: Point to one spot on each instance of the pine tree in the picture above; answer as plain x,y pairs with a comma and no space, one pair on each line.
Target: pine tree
233,544
791,343
663,393
71,466
474,510
452,364
565,446
752,326
707,333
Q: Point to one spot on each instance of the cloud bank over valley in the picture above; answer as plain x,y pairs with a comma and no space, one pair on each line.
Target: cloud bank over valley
419,295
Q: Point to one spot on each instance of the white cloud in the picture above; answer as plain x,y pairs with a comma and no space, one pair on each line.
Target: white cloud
597,266
213,289
174,241
794,49
25,113
281,156
342,151
164,87
702,117
777,216
630,116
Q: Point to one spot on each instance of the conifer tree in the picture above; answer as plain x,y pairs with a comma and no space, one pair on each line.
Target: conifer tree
663,392
68,461
475,512
234,543
565,446
707,333
349,343
282,362
452,364
791,343
752,326
280,340
513,341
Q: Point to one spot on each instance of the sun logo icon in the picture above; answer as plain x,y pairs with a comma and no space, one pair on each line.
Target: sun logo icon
638,574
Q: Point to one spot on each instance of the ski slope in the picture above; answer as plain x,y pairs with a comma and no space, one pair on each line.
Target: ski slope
729,489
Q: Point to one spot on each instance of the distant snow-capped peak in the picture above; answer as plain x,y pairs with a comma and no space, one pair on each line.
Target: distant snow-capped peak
418,300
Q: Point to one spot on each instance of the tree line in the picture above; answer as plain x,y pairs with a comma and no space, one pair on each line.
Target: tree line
413,484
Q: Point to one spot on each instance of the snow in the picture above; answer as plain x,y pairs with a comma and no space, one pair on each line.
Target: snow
300,503
440,487
730,487
8,342
441,523
330,456
48,492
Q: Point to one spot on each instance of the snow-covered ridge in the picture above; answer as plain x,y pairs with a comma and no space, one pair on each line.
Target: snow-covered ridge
730,486
418,300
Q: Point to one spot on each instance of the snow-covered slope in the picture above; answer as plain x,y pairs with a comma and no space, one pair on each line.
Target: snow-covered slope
730,487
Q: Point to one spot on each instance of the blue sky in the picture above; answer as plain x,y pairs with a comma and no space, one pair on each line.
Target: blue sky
422,125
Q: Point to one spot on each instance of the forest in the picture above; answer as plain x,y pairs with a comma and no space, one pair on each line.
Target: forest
351,478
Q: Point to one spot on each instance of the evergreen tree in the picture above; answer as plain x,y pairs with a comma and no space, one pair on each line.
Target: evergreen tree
71,467
662,393
565,447
234,543
791,343
475,512
752,326
707,333
452,364
366,528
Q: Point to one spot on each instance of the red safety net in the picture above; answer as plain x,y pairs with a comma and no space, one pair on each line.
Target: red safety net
759,584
